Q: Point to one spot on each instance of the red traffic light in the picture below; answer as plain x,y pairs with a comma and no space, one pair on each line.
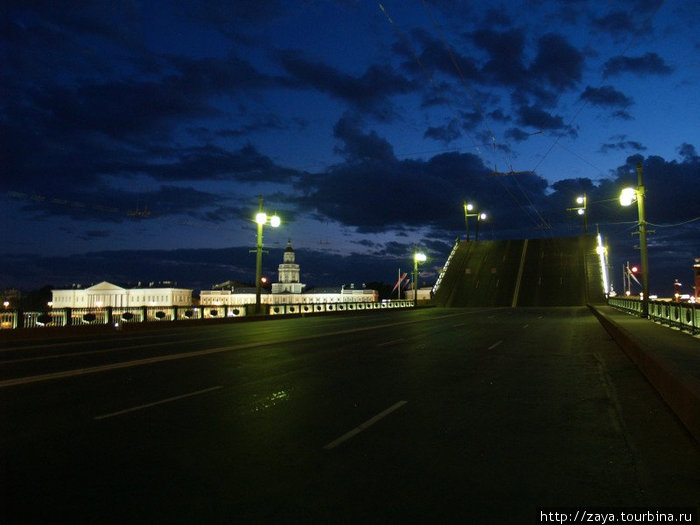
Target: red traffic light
634,269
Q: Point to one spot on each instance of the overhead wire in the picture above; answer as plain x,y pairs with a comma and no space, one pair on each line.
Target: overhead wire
431,79
477,105
585,102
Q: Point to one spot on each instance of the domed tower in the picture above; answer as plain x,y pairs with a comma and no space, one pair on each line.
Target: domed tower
288,273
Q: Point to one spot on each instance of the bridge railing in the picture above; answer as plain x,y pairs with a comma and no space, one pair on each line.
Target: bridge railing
684,316
14,319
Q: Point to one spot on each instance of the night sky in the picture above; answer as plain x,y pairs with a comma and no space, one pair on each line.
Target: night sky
137,135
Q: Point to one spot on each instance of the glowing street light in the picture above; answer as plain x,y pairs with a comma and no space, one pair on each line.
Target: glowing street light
467,208
417,257
627,197
480,217
261,219
582,201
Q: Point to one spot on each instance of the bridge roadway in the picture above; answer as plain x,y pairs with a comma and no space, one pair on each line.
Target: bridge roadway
470,415
535,272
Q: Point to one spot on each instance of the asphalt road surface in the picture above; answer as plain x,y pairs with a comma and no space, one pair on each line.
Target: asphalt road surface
434,415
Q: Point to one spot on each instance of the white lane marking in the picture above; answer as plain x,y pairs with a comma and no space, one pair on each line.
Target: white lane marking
526,326
371,421
494,345
196,353
162,401
387,343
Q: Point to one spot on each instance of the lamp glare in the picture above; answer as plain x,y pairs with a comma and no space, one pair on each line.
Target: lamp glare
628,196
261,218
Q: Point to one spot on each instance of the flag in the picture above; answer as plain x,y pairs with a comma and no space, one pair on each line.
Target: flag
631,274
398,283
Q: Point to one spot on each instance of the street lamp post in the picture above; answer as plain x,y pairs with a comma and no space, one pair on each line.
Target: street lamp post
583,211
481,216
261,218
417,257
467,208
627,197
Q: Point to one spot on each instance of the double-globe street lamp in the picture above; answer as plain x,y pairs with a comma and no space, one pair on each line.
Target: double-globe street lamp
262,219
480,216
417,257
627,197
582,210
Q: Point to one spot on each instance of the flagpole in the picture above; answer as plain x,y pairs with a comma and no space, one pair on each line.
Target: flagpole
399,287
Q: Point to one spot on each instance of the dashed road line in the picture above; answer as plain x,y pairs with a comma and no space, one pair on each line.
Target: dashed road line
155,403
364,426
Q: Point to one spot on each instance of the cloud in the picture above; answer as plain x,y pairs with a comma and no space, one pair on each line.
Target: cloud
435,56
606,96
361,146
210,162
517,134
505,64
688,153
557,62
369,93
615,22
444,134
622,145
538,118
648,64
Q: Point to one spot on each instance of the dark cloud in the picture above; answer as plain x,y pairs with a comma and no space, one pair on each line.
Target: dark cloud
210,162
505,63
557,62
497,17
648,64
538,118
500,116
361,146
369,92
444,134
622,146
615,22
605,96
688,153
108,204
517,134
436,56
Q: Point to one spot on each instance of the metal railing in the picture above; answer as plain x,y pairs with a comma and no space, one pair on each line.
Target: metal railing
14,319
684,316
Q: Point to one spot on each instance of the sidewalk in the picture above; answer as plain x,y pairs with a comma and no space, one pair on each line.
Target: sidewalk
669,359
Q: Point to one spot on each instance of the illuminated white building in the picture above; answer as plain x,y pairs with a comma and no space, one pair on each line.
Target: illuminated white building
107,294
288,274
288,290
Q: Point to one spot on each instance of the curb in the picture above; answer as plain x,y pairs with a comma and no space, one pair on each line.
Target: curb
680,391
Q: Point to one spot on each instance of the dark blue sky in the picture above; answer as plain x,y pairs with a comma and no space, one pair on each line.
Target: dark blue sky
364,124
